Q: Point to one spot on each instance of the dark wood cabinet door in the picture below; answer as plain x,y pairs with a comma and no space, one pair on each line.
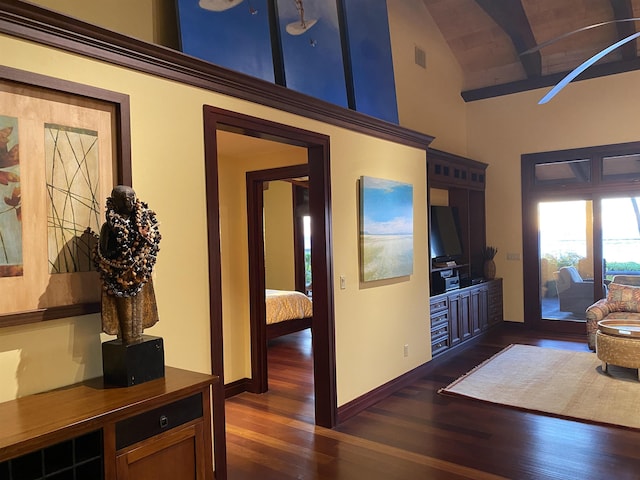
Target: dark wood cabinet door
475,311
479,309
454,324
483,307
464,316
178,454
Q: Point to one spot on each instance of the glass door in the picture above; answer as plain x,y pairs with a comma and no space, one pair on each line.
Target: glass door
566,259
580,230
621,238
571,244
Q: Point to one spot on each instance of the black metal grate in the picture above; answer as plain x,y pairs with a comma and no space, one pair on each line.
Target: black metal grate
76,459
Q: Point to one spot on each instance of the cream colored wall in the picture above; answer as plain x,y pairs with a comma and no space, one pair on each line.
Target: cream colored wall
234,246
133,18
168,173
279,262
375,320
153,21
429,99
591,112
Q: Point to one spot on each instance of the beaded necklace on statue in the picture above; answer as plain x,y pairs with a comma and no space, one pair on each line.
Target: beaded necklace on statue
137,238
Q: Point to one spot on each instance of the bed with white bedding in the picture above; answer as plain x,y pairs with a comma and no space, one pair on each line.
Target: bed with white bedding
287,312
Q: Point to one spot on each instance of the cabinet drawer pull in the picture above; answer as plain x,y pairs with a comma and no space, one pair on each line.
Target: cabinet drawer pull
439,318
439,331
164,421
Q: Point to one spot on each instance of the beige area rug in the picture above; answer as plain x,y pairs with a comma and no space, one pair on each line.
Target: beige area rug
557,382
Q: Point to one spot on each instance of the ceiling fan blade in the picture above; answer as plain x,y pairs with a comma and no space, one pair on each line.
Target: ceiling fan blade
578,70
568,34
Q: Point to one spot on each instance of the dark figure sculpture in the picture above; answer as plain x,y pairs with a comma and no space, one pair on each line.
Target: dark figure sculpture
125,257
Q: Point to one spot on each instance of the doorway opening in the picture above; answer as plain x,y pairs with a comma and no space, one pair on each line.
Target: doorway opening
581,228
317,146
280,295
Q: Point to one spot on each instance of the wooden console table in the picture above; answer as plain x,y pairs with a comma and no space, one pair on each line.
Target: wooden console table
156,430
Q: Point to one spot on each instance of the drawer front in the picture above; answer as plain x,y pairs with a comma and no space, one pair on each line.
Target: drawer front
437,332
439,345
495,315
439,318
495,296
439,304
158,420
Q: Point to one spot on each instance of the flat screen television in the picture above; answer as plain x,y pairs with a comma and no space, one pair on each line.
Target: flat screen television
445,234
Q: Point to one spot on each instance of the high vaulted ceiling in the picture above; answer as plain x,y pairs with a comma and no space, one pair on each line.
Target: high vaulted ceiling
488,36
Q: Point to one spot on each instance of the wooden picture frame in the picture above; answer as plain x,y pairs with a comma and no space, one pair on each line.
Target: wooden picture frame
63,146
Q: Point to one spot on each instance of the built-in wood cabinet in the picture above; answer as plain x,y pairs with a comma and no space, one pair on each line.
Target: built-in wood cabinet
460,183
440,325
465,308
156,430
461,314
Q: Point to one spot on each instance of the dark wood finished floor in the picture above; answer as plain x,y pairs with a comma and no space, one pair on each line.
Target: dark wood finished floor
417,433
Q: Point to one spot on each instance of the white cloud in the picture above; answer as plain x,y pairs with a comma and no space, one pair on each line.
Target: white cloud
398,225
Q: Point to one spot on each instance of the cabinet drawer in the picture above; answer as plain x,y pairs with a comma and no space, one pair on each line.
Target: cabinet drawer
495,297
439,331
439,345
439,318
438,305
161,419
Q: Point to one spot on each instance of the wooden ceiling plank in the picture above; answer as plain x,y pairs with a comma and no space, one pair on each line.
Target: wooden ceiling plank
623,9
511,17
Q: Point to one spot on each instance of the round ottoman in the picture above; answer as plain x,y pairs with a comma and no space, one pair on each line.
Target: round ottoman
618,350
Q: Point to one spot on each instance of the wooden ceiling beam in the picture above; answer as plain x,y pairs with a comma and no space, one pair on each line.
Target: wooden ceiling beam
623,9
595,71
511,17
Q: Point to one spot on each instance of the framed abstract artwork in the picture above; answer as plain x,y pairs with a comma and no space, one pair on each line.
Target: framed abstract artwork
230,33
312,50
386,229
336,51
63,147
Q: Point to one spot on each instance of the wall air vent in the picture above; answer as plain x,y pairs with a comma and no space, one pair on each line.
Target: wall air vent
420,57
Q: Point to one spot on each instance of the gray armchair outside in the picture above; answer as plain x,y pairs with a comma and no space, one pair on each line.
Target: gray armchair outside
574,292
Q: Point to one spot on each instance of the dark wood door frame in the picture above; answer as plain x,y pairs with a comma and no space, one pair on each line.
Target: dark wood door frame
323,325
593,188
255,204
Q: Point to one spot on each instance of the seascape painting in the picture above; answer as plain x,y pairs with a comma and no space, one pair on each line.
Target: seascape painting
386,229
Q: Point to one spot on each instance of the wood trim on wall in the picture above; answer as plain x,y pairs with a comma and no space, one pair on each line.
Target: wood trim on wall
33,23
357,405
255,228
594,190
323,326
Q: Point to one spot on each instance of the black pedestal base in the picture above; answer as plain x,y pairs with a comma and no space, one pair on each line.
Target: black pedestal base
127,365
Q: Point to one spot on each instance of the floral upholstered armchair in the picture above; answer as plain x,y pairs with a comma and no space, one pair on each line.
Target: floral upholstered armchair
622,302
